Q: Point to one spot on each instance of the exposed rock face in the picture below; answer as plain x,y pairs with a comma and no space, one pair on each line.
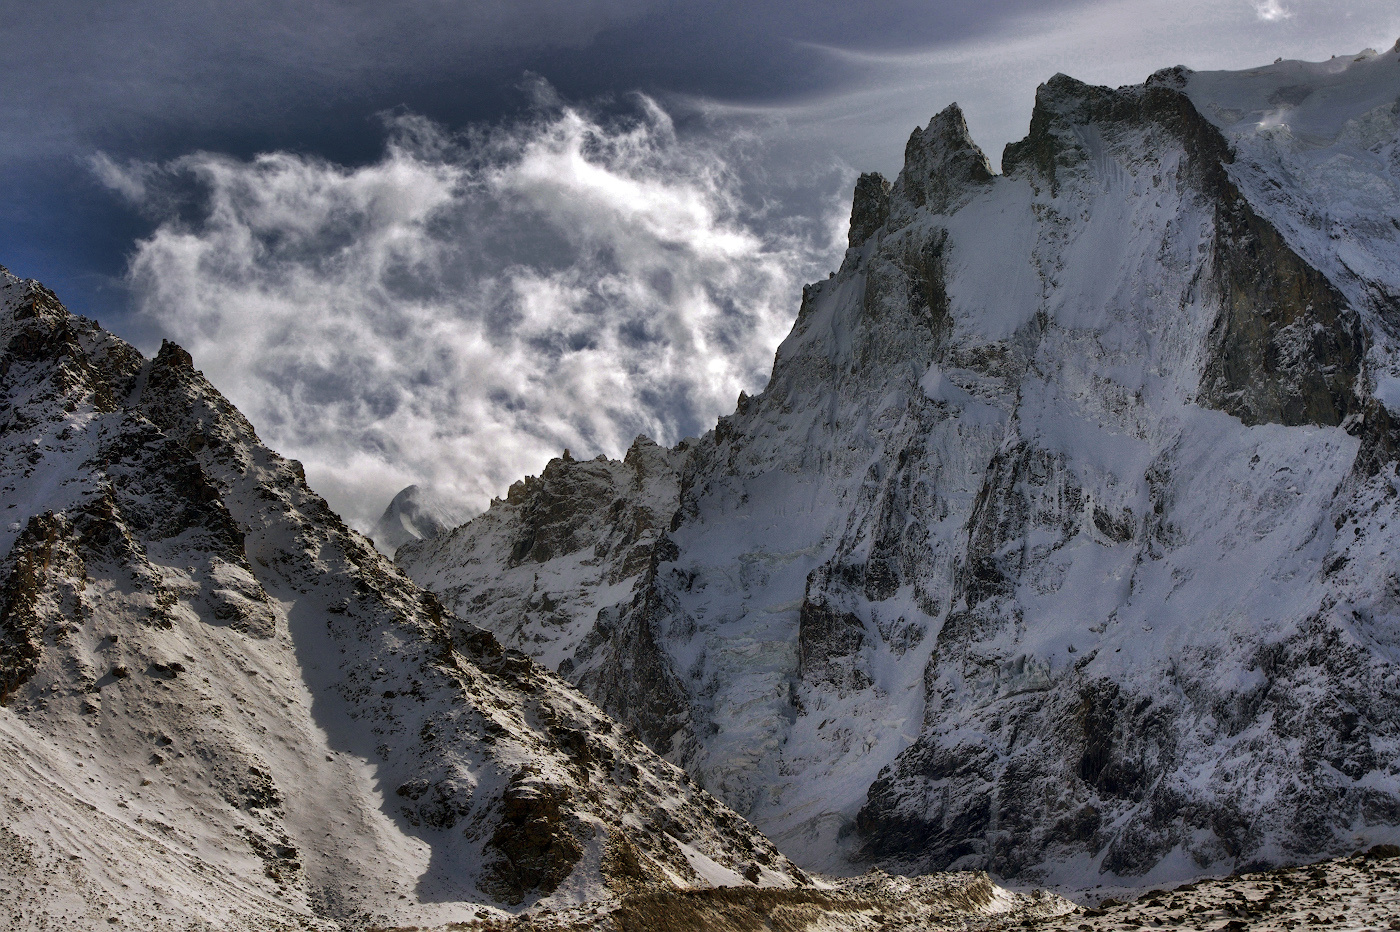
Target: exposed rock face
1287,347
870,207
21,622
220,699
622,664
826,640
538,840
563,587
1056,544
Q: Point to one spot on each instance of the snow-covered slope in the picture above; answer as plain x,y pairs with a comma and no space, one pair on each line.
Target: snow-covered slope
220,708
1059,542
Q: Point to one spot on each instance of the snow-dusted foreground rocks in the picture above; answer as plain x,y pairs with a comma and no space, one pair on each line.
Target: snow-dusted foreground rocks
1361,892
1063,541
222,709
961,900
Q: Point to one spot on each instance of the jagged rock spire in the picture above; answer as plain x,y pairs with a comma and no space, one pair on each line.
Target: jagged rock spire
941,163
870,207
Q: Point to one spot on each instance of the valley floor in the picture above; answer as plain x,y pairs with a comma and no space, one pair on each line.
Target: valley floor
1358,893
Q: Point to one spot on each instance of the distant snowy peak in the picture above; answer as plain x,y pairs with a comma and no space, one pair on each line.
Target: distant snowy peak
416,513
1316,103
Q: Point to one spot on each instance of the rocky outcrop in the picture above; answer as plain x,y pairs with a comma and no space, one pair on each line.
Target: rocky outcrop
870,208
828,642
1287,348
538,840
22,622
942,168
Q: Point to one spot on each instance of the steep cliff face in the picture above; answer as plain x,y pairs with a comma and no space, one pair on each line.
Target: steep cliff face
1057,543
222,708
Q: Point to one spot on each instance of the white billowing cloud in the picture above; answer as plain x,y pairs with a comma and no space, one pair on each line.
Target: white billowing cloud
467,306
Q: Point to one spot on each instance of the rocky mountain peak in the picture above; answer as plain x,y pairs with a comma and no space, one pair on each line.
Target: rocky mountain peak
1175,77
1072,121
1061,104
217,698
942,167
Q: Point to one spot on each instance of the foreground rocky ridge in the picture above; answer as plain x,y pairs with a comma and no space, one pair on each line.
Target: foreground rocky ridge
222,709
1058,544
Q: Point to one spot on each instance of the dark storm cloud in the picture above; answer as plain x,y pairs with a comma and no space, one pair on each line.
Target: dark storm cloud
155,79
144,76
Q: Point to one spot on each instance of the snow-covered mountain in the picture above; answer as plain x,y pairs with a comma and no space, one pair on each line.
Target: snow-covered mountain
220,708
415,513
1062,540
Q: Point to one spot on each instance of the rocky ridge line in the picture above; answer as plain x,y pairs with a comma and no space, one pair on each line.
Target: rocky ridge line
224,709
